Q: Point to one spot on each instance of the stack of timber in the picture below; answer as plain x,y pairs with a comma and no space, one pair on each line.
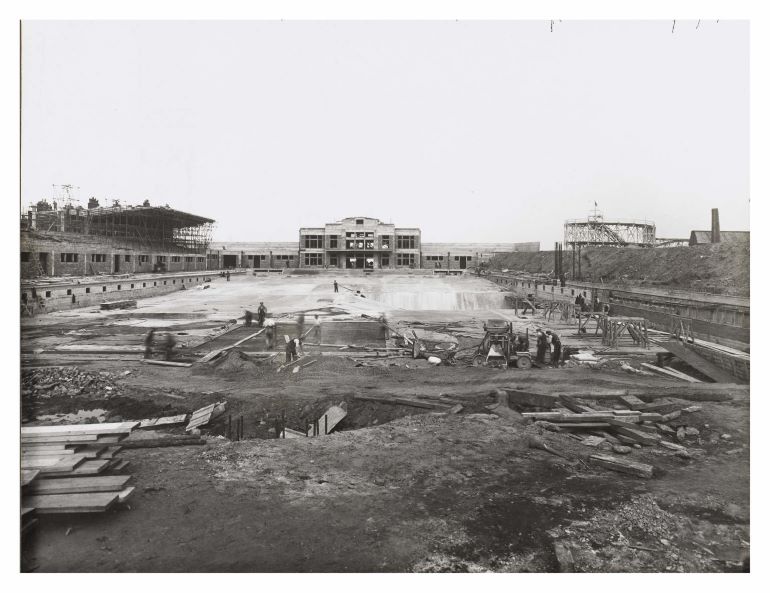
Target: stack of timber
72,469
630,423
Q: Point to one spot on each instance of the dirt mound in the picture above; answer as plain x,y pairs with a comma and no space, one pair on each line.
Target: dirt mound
718,268
234,361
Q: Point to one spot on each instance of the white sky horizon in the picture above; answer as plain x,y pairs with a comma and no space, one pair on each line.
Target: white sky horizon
474,131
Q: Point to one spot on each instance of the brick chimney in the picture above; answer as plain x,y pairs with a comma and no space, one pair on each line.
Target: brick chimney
715,236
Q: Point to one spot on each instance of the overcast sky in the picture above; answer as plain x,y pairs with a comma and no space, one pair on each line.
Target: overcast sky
473,131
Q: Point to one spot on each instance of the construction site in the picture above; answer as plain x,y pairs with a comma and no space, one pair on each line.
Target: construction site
577,410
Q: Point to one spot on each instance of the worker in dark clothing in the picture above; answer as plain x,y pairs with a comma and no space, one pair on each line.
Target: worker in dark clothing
336,287
270,336
261,314
521,343
542,344
529,304
248,318
556,352
148,342
580,301
228,275
291,351
585,301
168,345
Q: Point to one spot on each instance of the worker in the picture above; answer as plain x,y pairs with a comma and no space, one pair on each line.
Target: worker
336,287
529,304
521,343
169,344
580,301
227,275
261,314
542,344
291,350
317,330
248,317
148,342
270,334
548,341
556,352
585,301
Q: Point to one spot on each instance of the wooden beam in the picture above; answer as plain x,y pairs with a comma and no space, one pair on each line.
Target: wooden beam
91,502
77,485
166,363
625,466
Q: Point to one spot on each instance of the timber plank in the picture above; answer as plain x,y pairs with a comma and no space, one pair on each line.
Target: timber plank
47,465
625,466
86,468
47,440
80,484
70,429
697,362
639,436
90,502
28,475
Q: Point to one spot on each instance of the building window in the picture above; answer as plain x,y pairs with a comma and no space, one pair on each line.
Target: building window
406,242
127,258
88,290
434,257
385,241
333,260
189,259
69,291
200,260
70,257
385,261
313,259
24,256
160,259
48,294
284,257
359,221
118,286
97,257
405,259
175,259
143,259
313,241
333,242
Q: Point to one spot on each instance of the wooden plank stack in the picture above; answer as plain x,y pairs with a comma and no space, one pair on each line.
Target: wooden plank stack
72,469
640,423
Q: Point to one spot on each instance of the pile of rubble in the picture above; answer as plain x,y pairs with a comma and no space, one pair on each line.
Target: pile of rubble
68,382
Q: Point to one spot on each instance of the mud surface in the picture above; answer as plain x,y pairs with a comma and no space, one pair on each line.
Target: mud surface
395,487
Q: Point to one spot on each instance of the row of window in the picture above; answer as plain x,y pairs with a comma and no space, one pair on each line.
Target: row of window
72,258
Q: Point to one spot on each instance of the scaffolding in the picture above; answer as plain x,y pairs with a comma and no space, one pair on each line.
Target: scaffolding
147,227
595,231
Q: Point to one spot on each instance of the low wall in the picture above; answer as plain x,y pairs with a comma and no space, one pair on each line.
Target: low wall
86,291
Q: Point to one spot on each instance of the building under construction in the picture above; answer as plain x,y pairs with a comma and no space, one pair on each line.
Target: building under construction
118,239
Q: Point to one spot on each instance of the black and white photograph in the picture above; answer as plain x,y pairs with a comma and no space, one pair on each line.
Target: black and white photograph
436,295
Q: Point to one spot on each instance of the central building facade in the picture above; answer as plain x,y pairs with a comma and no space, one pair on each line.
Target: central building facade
359,243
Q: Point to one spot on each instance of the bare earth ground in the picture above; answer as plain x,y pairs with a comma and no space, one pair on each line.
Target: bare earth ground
397,488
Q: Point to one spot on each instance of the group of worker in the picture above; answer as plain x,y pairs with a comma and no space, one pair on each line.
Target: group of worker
168,344
548,341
